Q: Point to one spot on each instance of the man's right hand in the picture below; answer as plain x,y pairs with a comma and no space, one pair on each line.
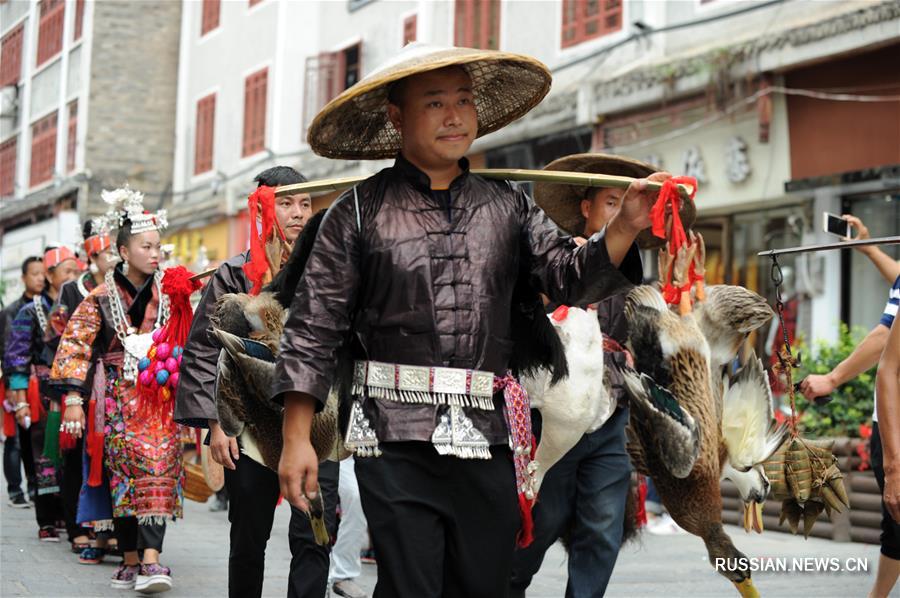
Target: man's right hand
817,386
298,470
222,448
298,473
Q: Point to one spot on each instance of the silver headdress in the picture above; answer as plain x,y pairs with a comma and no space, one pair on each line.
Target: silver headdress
126,203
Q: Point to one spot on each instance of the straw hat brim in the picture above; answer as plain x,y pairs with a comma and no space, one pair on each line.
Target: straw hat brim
562,203
355,124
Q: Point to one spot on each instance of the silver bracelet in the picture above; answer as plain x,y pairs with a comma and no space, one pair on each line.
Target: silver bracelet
74,400
20,406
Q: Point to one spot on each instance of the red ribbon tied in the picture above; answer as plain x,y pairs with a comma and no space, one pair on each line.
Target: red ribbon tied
669,195
261,203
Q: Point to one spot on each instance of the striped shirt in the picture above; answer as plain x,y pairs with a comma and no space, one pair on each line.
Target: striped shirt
890,310
887,318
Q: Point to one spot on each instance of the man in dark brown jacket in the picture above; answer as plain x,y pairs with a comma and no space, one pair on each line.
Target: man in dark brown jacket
252,488
416,266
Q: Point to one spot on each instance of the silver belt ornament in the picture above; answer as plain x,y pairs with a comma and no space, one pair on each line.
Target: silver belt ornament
455,388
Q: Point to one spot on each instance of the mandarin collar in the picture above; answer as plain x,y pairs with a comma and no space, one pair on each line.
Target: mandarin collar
420,180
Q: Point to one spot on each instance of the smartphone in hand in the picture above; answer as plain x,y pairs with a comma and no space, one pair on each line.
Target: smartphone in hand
834,224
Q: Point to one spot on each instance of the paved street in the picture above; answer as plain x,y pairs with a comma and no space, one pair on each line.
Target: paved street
197,548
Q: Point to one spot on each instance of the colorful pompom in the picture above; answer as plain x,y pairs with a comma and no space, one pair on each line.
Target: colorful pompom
145,377
162,376
143,364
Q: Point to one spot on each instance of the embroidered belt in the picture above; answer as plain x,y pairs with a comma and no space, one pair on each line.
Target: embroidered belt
421,384
455,434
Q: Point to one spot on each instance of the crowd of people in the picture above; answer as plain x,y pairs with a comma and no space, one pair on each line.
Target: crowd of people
422,268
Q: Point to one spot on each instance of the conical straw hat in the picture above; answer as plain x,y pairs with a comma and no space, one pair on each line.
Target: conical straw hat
355,124
562,203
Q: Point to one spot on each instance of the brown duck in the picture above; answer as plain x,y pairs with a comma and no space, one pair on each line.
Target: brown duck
676,428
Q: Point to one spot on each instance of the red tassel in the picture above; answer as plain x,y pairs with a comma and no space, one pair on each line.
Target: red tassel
34,399
9,419
177,284
669,195
640,514
526,533
94,447
67,440
261,200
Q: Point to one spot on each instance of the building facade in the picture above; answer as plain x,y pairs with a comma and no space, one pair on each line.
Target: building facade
782,110
88,102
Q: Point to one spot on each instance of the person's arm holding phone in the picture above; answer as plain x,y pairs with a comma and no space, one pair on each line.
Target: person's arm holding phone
887,266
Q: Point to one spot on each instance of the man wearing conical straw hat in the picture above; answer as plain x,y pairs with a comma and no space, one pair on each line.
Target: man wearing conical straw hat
414,272
584,495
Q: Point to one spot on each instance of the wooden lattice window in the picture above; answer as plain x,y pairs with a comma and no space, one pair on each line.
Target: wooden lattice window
589,19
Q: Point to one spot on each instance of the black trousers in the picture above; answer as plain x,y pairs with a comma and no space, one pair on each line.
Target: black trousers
890,529
134,536
441,526
16,453
70,488
47,504
253,494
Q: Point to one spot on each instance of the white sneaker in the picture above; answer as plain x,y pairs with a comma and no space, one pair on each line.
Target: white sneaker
664,526
153,579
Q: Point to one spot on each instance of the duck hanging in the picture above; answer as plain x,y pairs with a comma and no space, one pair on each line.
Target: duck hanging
246,368
679,418
579,403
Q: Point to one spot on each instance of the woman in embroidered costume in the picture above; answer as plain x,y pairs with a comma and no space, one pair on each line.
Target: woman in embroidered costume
27,364
101,257
138,443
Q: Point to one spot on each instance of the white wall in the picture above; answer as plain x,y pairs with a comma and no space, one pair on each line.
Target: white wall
31,240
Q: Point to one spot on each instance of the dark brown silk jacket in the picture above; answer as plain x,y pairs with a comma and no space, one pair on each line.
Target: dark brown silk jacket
420,282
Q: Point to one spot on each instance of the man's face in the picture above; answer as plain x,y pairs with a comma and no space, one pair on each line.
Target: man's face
599,208
33,279
436,117
64,271
292,213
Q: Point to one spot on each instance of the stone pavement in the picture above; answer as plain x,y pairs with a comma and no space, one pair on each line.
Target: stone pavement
197,548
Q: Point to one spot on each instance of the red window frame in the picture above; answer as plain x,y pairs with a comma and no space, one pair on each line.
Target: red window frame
410,29
209,19
11,56
255,91
50,29
477,24
72,136
583,20
79,20
203,143
43,149
8,166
